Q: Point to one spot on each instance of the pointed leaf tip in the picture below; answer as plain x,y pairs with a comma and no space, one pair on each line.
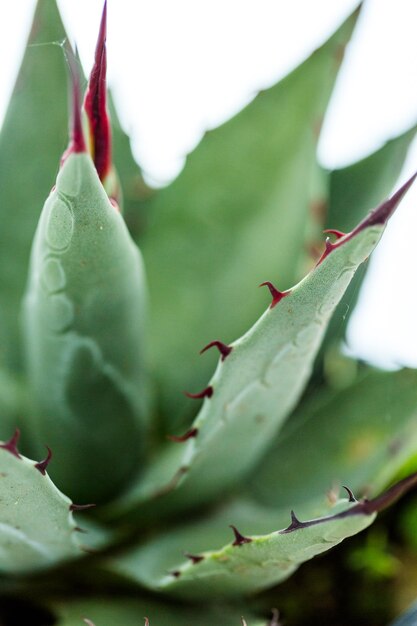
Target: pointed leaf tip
377,217
42,465
11,445
381,215
95,105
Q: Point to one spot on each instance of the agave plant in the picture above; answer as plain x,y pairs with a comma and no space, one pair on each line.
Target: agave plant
192,509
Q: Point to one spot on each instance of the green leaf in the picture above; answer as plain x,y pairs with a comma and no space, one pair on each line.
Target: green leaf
251,563
258,383
32,139
84,322
126,612
368,431
234,217
37,528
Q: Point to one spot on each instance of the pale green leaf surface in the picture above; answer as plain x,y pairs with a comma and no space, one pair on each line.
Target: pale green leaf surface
32,139
84,317
37,529
234,217
126,612
258,384
368,431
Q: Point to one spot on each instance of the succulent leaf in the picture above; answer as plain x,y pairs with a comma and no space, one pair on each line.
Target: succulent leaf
26,180
84,329
257,385
251,563
37,528
367,429
108,612
242,201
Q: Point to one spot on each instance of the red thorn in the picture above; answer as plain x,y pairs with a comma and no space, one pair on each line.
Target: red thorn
350,494
239,538
193,432
332,231
81,507
295,524
78,529
146,621
11,445
276,295
222,348
206,393
329,247
42,465
95,104
176,573
195,558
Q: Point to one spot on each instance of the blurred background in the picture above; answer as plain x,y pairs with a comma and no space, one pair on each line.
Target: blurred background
178,68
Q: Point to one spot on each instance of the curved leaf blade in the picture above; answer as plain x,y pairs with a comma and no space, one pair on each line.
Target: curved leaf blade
256,386
37,528
237,203
252,563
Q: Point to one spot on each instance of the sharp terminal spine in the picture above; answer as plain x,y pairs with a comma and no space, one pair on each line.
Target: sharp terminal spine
206,393
95,105
42,465
176,573
193,432
223,348
277,296
240,539
11,445
350,494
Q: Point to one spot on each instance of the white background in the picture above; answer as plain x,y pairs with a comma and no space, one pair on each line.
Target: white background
180,66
